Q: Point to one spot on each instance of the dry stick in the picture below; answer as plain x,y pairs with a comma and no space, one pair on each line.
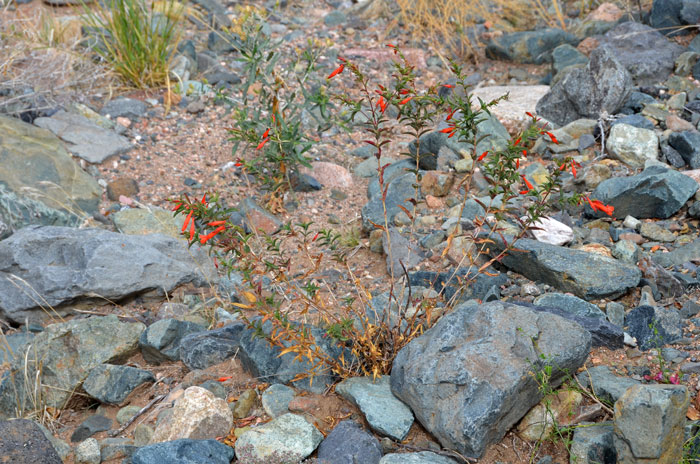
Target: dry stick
114,433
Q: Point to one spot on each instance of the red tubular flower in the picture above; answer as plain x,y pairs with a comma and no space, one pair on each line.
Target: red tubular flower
315,237
187,221
404,91
527,182
405,100
192,231
524,153
337,71
517,141
449,116
211,234
204,199
517,163
447,130
382,104
551,136
262,144
483,155
529,114
448,86
177,206
265,133
597,205
573,169
216,223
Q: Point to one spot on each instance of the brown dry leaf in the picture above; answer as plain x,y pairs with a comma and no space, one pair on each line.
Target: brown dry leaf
692,414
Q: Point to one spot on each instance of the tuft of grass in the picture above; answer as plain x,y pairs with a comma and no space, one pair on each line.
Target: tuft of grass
138,42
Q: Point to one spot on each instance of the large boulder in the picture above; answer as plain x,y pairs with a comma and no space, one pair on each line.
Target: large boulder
603,85
586,275
50,267
529,46
39,181
472,376
23,442
643,51
656,192
62,356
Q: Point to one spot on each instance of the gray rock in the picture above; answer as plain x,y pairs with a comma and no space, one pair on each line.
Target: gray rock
423,457
217,15
636,120
184,452
586,275
615,312
112,384
566,55
593,444
632,146
451,282
654,326
680,255
124,108
90,426
528,46
602,85
399,191
93,341
570,304
385,414
142,221
400,253
665,16
216,388
78,265
276,398
126,413
115,448
288,438
643,51
626,251
88,452
334,18
204,349
687,143
13,344
39,181
23,442
603,333
391,172
483,351
649,423
349,443
160,342
62,448
84,138
656,192
259,218
604,384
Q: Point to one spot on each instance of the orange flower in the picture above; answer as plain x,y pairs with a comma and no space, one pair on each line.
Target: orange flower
216,223
448,86
204,199
551,136
404,91
177,206
573,169
529,114
449,116
337,71
192,231
382,104
527,182
451,135
524,153
405,100
187,221
483,155
265,133
262,144
597,205
517,163
224,379
210,235
447,130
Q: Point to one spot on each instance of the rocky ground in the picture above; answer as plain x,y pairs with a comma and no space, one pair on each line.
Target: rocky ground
120,343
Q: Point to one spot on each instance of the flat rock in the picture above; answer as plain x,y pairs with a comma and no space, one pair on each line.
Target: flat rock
654,326
680,255
184,452
331,175
112,384
521,99
141,221
656,192
77,265
483,351
349,443
604,384
124,108
423,457
196,415
570,304
593,444
551,231
85,138
93,341
632,145
586,275
385,413
23,442
258,218
207,348
90,426
39,181
288,438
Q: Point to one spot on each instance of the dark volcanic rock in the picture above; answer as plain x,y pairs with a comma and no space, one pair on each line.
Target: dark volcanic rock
529,46
468,379
23,442
349,443
656,192
586,275
184,452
